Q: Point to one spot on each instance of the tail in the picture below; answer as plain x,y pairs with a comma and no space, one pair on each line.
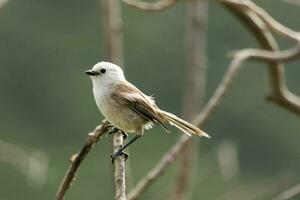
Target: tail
182,125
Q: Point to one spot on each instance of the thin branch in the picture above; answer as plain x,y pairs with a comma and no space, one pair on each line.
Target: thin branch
256,25
150,6
119,164
76,159
290,193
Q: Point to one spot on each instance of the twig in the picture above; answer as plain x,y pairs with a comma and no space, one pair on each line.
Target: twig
119,164
279,91
76,159
290,193
150,6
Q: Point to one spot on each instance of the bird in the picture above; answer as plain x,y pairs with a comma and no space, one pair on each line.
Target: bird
127,108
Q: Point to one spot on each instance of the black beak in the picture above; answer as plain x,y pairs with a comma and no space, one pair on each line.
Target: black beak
91,73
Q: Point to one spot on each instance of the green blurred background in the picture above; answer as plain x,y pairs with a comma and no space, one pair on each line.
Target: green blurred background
47,107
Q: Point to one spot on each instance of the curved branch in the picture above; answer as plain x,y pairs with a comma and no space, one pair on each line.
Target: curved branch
268,20
151,6
278,89
76,159
258,25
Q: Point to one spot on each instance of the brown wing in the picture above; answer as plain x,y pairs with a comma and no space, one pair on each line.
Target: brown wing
127,94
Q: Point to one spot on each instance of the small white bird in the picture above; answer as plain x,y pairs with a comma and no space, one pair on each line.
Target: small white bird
127,108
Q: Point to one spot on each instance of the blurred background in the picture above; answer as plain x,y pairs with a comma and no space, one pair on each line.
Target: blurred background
47,107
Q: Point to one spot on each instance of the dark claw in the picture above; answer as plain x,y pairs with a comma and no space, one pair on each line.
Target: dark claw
118,153
114,130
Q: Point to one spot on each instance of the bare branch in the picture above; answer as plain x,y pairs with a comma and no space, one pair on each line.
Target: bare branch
119,164
290,193
267,19
279,92
258,22
76,159
150,6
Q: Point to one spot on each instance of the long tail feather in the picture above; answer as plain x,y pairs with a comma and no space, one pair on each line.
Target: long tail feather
182,125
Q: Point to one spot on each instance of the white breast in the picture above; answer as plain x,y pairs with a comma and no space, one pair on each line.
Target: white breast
119,115
101,95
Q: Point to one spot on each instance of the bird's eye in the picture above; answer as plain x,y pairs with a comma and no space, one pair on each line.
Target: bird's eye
103,71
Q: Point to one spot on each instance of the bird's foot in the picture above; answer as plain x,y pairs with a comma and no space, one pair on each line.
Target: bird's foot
114,130
117,154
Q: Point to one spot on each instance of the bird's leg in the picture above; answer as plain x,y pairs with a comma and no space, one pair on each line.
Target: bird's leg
115,129
120,151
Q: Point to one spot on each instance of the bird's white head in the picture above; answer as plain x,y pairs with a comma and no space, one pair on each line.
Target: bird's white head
106,73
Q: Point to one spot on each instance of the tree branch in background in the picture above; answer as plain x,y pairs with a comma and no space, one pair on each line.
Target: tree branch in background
33,164
292,2
258,21
274,25
169,157
77,159
150,6
2,3
113,31
195,83
278,90
290,193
